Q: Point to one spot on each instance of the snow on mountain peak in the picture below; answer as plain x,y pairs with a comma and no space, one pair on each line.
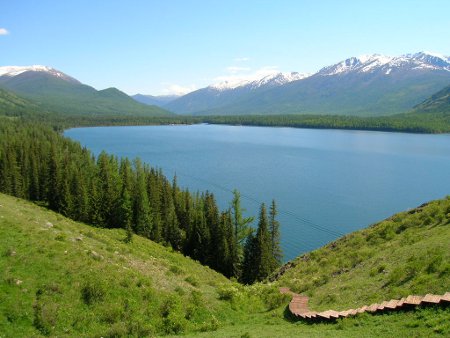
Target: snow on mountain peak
273,79
12,71
371,63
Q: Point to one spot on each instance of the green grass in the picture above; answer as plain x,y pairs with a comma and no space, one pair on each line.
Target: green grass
432,322
62,278
58,277
405,254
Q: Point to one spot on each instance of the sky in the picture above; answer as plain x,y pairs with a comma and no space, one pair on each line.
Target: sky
161,47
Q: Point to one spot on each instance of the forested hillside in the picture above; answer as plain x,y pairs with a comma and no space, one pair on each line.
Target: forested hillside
68,96
437,103
38,164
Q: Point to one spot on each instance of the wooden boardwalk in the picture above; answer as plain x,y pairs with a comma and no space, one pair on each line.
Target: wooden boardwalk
299,306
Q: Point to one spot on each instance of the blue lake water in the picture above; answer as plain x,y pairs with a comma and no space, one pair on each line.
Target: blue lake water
325,182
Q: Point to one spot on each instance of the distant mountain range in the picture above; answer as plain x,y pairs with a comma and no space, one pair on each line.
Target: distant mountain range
361,86
52,90
365,86
159,100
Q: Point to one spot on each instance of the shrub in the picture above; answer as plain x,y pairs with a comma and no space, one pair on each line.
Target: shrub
227,293
192,280
45,316
60,237
175,269
274,299
92,292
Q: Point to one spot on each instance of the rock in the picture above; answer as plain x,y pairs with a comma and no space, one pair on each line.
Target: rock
96,256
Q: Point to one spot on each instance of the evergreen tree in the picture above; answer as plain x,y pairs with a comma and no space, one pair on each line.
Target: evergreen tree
274,228
263,255
141,207
241,228
154,191
249,264
126,204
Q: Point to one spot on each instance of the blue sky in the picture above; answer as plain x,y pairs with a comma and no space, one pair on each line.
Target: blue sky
159,47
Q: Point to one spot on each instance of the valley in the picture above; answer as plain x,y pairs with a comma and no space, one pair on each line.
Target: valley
249,169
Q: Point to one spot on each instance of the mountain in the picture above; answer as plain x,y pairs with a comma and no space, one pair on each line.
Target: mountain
365,86
53,90
14,105
159,100
228,92
437,103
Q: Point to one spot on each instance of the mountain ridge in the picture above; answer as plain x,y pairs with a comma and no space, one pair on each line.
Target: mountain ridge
363,86
53,90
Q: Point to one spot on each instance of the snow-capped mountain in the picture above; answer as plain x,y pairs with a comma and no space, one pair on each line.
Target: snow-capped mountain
271,80
12,71
230,91
387,64
54,91
365,85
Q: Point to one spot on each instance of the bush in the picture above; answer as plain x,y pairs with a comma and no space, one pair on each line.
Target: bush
174,321
175,269
227,293
45,317
92,292
274,299
192,280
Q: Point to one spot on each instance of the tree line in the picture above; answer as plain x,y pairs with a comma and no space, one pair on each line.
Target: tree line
414,122
39,164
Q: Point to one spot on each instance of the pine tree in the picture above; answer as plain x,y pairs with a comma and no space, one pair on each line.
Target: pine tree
249,265
141,207
126,205
263,246
241,228
274,228
154,191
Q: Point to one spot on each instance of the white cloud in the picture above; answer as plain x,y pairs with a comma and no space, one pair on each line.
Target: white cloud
4,31
175,89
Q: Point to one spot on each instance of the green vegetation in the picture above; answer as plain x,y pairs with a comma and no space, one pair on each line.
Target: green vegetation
409,122
38,164
123,276
62,278
58,277
55,94
430,117
405,254
437,103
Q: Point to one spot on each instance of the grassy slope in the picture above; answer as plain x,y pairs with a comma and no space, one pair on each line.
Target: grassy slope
53,283
77,280
405,254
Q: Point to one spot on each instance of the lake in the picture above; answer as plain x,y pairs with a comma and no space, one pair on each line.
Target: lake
325,182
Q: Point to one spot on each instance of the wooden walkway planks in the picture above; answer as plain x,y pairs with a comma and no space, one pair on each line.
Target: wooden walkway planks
298,306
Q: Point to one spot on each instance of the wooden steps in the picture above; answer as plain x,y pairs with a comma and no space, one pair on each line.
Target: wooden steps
299,305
